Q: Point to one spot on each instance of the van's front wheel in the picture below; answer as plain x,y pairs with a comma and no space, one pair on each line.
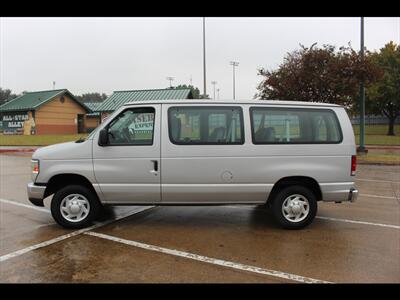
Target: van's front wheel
294,207
74,206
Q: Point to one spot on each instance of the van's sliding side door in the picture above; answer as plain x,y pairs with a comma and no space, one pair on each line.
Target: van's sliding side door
205,158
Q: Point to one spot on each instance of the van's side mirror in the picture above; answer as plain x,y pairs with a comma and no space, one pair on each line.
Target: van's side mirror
103,137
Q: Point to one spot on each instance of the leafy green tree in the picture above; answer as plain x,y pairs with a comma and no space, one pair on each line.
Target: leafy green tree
195,91
92,97
384,95
318,75
6,95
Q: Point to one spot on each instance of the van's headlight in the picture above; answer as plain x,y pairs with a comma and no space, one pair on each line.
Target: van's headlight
35,169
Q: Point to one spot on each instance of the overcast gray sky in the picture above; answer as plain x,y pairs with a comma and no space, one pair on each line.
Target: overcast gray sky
108,54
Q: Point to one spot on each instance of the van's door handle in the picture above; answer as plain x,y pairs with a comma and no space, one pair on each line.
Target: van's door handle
155,167
155,162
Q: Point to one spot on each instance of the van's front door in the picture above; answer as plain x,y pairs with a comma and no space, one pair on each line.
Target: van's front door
127,167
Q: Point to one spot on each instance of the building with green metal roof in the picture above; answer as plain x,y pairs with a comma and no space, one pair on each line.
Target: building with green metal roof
59,112
119,98
43,112
92,118
93,106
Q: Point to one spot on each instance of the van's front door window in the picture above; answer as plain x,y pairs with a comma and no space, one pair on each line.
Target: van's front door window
132,127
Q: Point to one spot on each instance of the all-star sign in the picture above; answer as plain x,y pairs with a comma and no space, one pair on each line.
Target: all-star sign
15,120
13,123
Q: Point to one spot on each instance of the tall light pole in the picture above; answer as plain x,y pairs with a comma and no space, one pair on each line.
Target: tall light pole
234,64
170,81
204,57
361,148
218,94
214,83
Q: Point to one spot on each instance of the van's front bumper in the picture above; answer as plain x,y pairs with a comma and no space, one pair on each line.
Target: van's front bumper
36,193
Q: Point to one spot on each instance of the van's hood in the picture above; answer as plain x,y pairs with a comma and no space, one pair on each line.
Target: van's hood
69,150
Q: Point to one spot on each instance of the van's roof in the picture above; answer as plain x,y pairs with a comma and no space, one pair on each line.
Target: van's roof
210,101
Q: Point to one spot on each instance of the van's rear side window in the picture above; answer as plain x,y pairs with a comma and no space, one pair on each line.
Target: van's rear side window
203,125
271,125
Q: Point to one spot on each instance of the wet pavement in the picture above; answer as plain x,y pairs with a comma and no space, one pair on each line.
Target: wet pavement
347,242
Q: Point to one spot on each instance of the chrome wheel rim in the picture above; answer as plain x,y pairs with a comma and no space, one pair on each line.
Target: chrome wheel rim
295,208
75,207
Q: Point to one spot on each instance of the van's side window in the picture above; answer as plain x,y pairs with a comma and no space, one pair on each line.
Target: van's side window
201,125
132,127
294,126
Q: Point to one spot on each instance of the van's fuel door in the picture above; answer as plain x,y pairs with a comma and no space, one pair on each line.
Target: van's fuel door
227,176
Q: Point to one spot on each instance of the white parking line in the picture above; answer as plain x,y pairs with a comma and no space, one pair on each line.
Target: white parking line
332,219
209,260
377,196
42,209
358,222
66,236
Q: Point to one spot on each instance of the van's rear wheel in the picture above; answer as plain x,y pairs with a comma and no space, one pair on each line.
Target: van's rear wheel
294,207
74,206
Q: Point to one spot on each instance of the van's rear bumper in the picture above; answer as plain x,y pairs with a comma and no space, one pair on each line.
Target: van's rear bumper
36,193
338,192
353,195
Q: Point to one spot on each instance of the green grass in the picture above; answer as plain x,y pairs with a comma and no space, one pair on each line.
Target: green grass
379,140
48,139
37,140
376,135
376,129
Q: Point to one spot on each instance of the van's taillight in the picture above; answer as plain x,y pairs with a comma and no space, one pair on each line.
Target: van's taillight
353,165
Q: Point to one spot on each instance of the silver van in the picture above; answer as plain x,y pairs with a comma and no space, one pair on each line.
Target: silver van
284,154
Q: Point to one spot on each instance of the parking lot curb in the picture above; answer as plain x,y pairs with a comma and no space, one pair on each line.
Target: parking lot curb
377,163
13,150
382,147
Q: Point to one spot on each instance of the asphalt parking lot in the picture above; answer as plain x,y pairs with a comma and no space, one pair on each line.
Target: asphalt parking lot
348,242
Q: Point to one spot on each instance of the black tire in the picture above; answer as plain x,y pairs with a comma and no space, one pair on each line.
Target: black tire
75,189
278,202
